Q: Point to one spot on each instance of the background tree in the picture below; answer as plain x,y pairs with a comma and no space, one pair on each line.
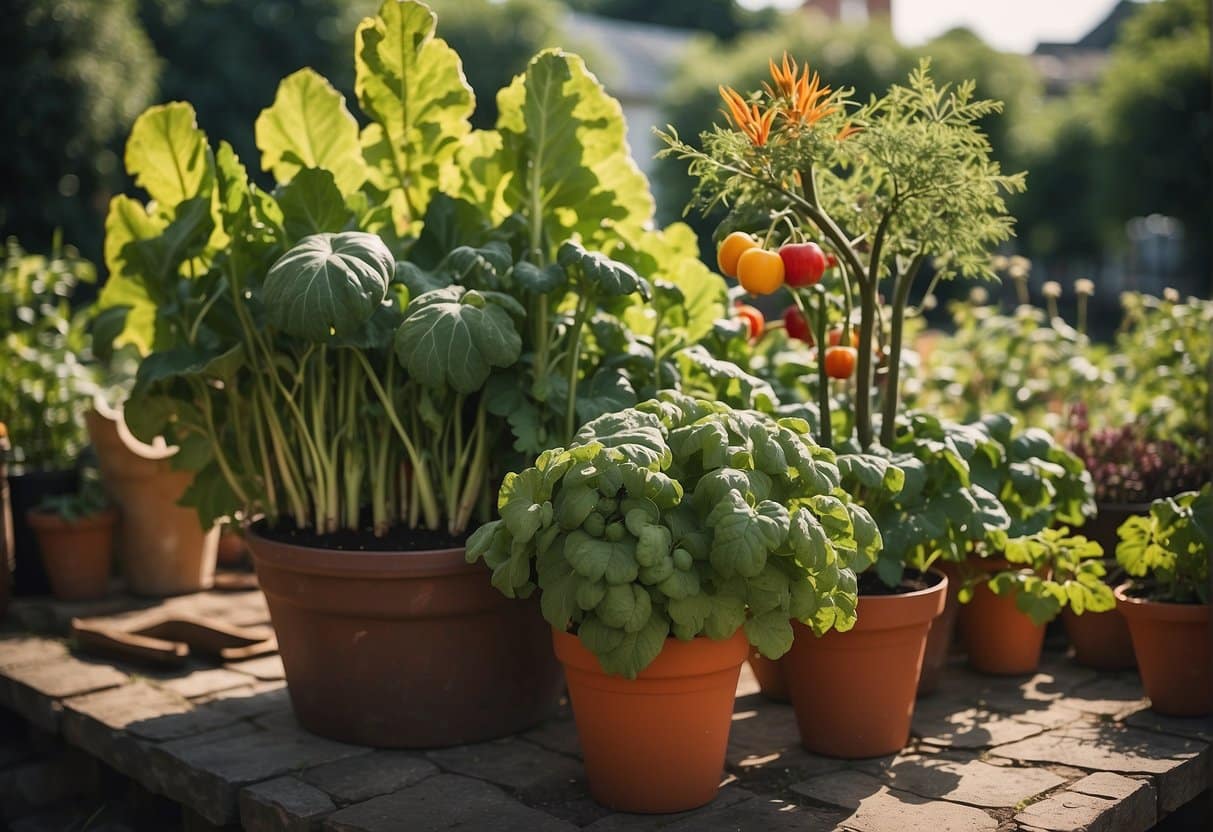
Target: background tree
73,75
723,18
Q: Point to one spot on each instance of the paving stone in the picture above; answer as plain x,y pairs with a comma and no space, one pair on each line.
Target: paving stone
533,772
760,813
206,774
33,689
358,778
205,682
445,802
1197,728
285,804
969,781
747,682
40,783
250,701
18,650
265,668
1102,802
846,788
941,724
1112,695
144,711
762,732
730,794
556,735
891,811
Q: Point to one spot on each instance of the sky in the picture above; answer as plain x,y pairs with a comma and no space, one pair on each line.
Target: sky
1010,25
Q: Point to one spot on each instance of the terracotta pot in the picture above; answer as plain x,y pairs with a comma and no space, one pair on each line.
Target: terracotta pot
999,639
404,649
854,692
162,548
770,676
26,492
1101,639
655,743
943,631
1173,652
232,547
78,554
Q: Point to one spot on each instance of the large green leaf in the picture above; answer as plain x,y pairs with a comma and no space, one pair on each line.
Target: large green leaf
454,336
168,155
563,140
311,204
412,85
308,126
328,284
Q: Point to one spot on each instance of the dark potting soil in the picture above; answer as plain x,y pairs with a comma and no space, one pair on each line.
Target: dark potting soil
870,583
397,539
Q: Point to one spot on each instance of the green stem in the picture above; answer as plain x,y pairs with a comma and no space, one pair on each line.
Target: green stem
825,429
574,359
476,474
901,296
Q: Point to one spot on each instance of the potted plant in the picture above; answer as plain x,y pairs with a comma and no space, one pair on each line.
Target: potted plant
1129,471
76,537
362,352
661,541
45,387
1166,603
835,201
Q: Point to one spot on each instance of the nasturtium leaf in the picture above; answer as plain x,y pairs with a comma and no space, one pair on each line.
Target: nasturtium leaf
657,572
311,204
598,637
308,126
599,273
168,156
635,435
680,584
573,506
481,541
612,561
625,606
770,589
558,601
606,392
744,389
637,649
539,281
412,86
653,545
810,544
520,504
770,632
739,544
590,593
328,284
418,281
454,336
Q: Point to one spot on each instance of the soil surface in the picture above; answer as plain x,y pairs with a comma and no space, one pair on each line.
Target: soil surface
911,581
397,539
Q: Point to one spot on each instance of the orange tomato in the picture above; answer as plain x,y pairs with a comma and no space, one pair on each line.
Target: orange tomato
731,249
840,362
835,337
753,319
760,271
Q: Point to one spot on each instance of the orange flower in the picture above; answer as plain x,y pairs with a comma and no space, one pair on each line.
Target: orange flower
847,131
784,77
804,99
747,118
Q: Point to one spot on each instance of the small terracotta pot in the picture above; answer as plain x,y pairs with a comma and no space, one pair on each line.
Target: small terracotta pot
655,743
999,638
404,649
232,549
162,547
26,493
1173,652
943,631
77,554
854,692
1101,639
770,676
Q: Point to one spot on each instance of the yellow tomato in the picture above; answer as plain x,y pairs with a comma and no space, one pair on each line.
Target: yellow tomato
760,271
731,248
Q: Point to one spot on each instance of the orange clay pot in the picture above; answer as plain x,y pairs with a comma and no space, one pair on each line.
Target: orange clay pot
1173,652
1000,639
1101,639
77,554
854,692
943,631
655,743
770,676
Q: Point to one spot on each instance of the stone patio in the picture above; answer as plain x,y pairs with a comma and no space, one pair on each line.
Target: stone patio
1066,749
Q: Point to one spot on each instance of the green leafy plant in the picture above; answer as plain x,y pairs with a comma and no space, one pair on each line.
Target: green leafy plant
412,298
45,384
1052,569
1168,550
681,517
88,501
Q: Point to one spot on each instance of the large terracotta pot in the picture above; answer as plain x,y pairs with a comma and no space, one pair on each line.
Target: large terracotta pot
769,674
1173,652
853,692
655,743
162,548
26,492
942,633
404,649
78,554
999,638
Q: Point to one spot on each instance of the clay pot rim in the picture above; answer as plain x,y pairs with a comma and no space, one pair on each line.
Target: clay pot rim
347,563
908,609
49,521
1131,508
678,659
1159,610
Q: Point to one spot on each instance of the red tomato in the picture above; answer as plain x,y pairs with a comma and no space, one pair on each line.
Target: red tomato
803,263
753,319
797,326
835,337
840,362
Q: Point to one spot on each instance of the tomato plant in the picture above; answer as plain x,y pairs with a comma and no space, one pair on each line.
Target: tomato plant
759,271
803,263
840,362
